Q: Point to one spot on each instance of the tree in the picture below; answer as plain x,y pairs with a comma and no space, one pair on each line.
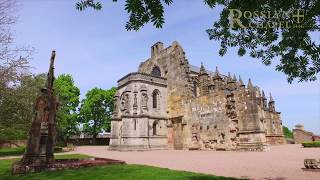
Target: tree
287,133
68,96
17,85
13,60
141,11
96,110
299,54
16,107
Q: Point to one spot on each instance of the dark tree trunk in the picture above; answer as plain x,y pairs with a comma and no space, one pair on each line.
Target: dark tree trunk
94,139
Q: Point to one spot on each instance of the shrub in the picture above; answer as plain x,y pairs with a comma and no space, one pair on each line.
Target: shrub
287,133
311,144
57,149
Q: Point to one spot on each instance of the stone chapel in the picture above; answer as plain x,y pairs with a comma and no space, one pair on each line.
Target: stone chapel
170,104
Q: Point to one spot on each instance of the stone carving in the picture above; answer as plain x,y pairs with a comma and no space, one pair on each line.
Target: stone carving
144,102
125,104
274,129
195,137
115,108
231,106
135,103
233,127
41,109
312,164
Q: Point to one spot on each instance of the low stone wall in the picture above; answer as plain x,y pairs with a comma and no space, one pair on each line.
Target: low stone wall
13,143
88,141
19,168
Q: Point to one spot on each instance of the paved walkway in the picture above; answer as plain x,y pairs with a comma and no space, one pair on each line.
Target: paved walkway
280,163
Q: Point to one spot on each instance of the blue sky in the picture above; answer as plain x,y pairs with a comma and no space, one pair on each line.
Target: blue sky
95,48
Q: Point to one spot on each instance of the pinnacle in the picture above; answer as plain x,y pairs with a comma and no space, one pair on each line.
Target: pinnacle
271,99
240,81
216,73
234,77
250,86
263,95
202,69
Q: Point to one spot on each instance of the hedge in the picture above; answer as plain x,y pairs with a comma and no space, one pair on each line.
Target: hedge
20,150
311,144
12,151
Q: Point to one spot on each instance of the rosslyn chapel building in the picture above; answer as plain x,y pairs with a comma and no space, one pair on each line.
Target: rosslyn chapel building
170,104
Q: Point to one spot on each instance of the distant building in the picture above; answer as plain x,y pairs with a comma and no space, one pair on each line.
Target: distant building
170,104
85,139
300,135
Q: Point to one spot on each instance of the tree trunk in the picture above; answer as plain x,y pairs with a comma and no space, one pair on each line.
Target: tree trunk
94,138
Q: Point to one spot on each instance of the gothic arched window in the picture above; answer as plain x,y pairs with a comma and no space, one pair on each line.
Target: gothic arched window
156,71
155,98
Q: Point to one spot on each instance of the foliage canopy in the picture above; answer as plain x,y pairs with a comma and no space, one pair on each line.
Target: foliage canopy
96,110
293,49
68,95
287,133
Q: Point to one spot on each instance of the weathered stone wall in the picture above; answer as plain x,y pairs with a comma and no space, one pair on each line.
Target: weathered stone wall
251,134
174,67
209,126
140,118
273,126
300,135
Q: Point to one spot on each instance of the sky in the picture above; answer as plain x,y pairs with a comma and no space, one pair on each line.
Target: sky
94,47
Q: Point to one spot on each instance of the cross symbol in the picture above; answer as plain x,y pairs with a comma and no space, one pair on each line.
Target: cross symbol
299,16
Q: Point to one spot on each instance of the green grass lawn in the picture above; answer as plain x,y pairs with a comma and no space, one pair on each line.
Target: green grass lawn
109,172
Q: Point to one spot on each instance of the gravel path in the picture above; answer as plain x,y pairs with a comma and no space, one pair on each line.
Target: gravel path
280,163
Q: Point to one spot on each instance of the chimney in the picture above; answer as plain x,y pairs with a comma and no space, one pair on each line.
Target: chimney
156,48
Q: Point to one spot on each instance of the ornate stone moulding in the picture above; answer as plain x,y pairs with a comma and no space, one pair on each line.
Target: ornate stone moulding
142,76
143,116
